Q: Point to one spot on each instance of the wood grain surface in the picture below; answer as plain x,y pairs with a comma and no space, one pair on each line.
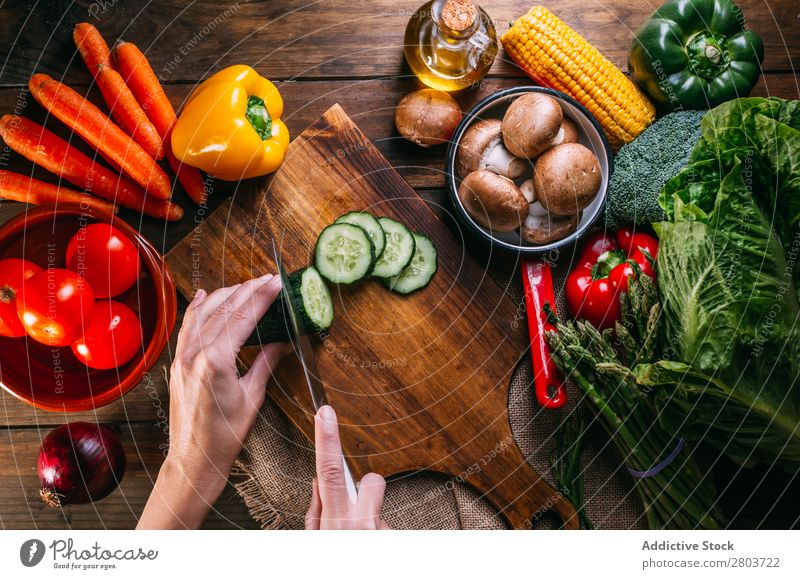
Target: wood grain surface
323,39
419,382
320,52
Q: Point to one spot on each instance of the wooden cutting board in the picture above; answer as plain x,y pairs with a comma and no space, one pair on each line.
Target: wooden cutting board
419,382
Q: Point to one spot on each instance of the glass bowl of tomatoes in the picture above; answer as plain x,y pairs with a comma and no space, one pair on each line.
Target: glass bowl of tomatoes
87,305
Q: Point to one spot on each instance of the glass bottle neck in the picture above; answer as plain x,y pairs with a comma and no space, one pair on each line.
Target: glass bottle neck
448,31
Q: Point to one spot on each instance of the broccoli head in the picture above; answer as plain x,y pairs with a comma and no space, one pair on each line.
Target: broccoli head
643,166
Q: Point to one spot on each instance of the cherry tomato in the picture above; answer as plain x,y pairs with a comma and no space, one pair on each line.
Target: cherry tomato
113,337
105,257
52,306
13,272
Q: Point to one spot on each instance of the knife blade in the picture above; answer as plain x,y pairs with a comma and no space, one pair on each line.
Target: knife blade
308,359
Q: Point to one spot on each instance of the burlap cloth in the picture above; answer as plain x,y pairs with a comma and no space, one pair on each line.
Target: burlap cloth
277,466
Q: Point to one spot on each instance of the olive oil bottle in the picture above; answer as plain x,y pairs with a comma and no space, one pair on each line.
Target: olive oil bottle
450,44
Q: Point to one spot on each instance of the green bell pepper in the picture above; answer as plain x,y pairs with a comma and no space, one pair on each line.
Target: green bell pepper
696,54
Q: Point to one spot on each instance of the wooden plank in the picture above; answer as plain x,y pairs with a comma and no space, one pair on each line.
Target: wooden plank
324,39
21,508
420,382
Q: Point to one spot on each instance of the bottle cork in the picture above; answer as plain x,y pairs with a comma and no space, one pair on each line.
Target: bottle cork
459,15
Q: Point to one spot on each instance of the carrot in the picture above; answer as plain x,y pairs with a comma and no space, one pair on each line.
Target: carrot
93,49
139,75
16,187
100,132
120,100
190,178
127,112
143,82
40,146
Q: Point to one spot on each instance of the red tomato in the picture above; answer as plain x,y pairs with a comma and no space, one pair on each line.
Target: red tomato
52,306
13,272
113,337
106,257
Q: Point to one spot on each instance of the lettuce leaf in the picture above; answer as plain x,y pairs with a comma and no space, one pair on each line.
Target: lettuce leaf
731,314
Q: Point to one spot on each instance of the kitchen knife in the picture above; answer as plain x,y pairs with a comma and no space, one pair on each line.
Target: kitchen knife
308,360
538,283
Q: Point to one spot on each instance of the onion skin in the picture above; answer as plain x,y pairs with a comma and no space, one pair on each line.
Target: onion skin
78,463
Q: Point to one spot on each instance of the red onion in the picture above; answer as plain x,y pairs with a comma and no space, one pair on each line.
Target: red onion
80,463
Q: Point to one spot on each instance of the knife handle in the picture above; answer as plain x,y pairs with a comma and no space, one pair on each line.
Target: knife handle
538,282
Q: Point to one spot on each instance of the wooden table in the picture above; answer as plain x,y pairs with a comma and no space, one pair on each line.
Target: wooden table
323,52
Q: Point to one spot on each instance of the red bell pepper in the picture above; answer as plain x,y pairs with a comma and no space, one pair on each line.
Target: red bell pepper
602,272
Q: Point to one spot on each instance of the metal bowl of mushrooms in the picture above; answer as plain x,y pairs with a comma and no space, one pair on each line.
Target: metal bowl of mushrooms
528,168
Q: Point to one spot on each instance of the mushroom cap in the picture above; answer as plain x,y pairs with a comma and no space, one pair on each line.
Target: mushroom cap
568,133
493,201
481,147
473,144
427,117
530,124
566,178
541,227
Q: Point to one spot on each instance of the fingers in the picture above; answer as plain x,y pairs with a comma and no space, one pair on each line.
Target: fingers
330,465
370,497
236,319
189,318
191,336
314,512
261,369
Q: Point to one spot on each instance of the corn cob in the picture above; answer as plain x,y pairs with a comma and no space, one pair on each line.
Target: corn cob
555,55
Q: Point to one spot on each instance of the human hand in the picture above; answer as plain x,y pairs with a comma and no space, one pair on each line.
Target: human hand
212,408
331,507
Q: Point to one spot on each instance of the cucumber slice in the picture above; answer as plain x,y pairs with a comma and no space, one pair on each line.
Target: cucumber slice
314,304
398,251
421,269
344,253
368,223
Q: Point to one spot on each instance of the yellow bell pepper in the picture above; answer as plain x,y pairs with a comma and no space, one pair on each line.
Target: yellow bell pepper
231,126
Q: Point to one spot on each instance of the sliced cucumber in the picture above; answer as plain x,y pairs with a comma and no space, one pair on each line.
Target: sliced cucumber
344,253
421,269
314,304
368,223
398,251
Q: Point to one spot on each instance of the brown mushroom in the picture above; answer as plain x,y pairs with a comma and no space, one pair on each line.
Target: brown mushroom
566,178
481,147
542,227
530,124
493,201
427,117
567,133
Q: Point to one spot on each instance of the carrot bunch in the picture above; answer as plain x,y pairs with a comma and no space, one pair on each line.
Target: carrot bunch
132,143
